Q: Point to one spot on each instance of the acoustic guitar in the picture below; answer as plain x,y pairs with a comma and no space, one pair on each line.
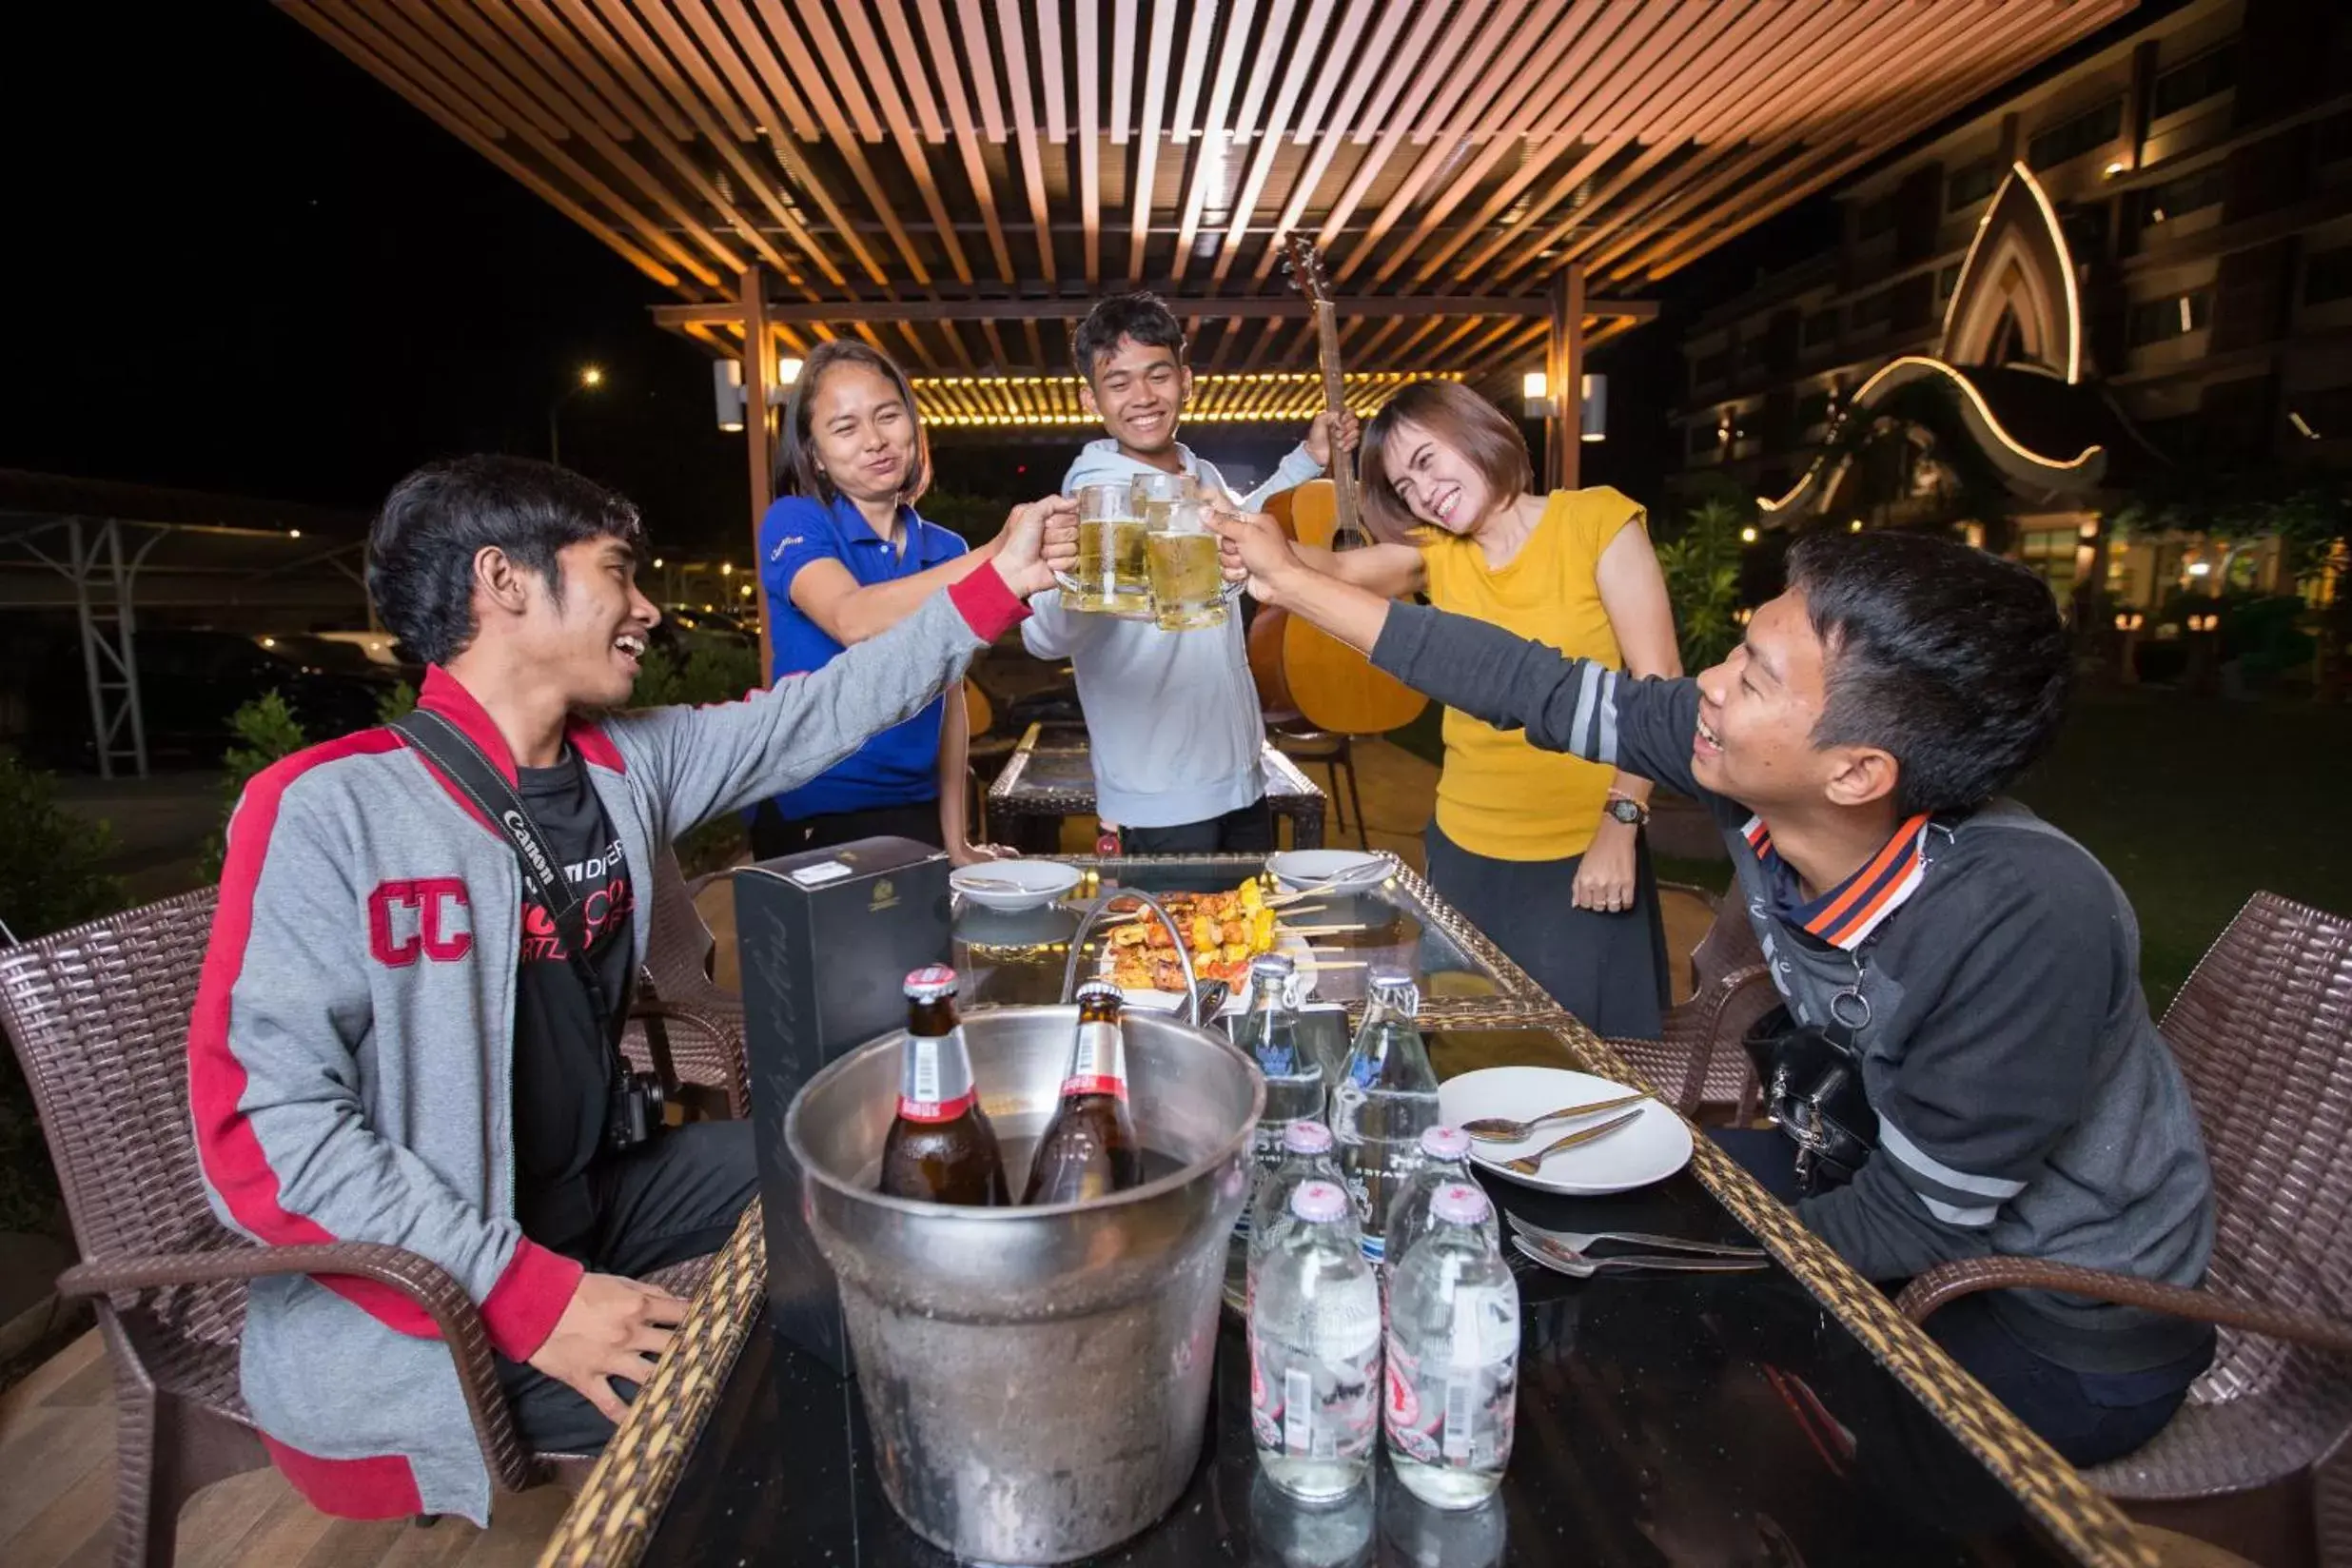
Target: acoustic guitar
1317,675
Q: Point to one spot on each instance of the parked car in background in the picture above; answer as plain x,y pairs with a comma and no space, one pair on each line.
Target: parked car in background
191,683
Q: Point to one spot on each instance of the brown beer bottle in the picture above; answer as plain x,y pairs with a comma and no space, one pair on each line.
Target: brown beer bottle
1089,1148
941,1148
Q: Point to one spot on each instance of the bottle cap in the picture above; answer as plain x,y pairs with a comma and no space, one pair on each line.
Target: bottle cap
931,981
1395,987
1319,1202
1459,1202
1384,976
1447,1142
1101,985
1279,965
1307,1137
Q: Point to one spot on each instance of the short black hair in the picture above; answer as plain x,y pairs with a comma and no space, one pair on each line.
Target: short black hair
421,551
1954,661
1142,316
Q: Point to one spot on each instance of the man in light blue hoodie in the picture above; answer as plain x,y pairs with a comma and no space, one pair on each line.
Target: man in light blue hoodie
1171,716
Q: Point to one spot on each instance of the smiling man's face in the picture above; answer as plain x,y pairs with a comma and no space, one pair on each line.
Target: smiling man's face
1757,712
1139,391
592,632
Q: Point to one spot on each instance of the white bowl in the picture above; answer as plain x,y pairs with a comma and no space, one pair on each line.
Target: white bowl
1337,870
1011,885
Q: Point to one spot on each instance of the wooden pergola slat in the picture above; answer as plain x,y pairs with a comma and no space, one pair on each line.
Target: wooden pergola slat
700,139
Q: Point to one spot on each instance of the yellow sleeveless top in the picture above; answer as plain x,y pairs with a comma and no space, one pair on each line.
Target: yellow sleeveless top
1498,796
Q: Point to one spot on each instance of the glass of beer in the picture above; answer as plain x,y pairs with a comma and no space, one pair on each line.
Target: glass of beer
1156,492
1187,584
1111,577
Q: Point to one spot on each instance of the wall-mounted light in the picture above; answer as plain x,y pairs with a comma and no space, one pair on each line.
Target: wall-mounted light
2200,568
727,390
787,372
726,568
1747,534
1594,425
2301,426
1536,395
1854,527
2115,166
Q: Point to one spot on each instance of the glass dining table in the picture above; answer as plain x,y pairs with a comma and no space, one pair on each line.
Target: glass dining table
1787,1415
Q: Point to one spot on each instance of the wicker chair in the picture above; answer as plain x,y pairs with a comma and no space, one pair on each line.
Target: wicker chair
681,1026
2263,1035
99,1017
1700,1061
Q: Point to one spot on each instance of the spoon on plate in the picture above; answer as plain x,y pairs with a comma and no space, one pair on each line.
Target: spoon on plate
1502,1130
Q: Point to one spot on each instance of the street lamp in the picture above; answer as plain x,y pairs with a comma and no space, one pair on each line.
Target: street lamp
591,376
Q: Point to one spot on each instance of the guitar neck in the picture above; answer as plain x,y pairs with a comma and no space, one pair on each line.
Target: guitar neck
1335,400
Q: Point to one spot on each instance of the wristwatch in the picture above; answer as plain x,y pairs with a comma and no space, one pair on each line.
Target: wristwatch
1627,810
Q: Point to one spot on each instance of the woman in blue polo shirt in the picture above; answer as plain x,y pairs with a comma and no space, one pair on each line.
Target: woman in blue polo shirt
842,556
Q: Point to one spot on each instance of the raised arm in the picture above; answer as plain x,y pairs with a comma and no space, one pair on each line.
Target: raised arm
709,760
1564,704
798,565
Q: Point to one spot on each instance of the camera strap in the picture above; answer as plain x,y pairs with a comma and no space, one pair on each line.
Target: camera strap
462,763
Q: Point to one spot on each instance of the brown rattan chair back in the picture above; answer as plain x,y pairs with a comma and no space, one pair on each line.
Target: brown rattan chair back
1699,1062
99,1016
2262,1031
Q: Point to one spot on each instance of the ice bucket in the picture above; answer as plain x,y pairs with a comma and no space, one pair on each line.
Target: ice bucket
1035,1379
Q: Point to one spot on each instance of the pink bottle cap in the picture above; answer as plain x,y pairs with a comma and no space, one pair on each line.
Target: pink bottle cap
1319,1202
1447,1142
1305,1137
1459,1202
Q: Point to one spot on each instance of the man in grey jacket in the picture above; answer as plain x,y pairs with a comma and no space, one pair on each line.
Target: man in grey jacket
392,1042
1985,966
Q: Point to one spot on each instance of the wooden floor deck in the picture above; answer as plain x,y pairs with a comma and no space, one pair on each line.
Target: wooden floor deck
57,1497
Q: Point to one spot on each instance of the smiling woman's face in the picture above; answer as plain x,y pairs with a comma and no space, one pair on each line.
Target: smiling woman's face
1437,482
863,433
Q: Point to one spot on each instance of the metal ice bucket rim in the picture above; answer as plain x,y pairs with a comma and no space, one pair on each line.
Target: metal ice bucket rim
816,1170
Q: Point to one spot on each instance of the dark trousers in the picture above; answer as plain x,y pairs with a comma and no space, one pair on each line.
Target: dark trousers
662,1203
2088,1416
1606,967
1244,829
774,833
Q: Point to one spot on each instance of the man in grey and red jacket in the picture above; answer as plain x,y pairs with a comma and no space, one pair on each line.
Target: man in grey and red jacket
1852,751
391,1043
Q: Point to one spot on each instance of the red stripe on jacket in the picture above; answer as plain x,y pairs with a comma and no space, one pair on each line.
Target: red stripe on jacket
536,1285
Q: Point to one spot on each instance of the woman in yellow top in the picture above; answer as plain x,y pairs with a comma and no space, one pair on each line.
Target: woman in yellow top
1542,852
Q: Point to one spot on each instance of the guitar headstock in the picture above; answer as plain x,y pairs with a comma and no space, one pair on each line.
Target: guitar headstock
1303,265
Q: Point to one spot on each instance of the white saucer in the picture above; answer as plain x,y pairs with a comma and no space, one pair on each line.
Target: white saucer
1012,885
1648,1150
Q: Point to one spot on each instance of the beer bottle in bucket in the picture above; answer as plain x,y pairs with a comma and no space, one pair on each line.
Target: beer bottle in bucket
1089,1148
940,1149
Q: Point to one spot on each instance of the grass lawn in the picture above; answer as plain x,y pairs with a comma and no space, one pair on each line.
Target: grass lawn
2192,803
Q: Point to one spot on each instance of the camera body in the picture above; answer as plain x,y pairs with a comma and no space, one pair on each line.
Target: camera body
632,1110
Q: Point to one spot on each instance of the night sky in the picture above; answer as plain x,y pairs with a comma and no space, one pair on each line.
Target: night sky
242,265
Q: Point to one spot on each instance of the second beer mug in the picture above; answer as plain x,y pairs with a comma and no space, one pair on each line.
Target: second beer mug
1187,585
1111,574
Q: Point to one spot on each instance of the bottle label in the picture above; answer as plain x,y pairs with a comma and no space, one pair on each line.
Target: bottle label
1321,1399
1099,1066
934,1079
1456,1405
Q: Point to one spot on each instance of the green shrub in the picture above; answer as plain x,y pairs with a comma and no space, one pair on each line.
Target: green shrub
265,730
50,859
1701,566
51,878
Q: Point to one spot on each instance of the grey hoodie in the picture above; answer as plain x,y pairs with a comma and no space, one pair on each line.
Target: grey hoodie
350,1056
1171,716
